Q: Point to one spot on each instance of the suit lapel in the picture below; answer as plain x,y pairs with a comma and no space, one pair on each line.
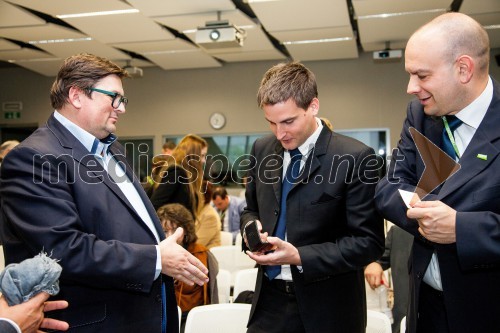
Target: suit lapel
483,142
277,172
74,148
313,161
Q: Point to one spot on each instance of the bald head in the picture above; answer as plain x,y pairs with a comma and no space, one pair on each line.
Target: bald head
453,35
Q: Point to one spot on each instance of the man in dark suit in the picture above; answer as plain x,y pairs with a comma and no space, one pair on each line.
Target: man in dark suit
68,190
455,263
398,245
313,280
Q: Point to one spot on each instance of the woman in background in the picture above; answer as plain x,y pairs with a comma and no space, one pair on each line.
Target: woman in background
180,177
173,216
208,224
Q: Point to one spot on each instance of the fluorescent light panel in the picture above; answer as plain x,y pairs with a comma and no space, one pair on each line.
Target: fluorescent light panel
387,15
109,12
314,41
66,40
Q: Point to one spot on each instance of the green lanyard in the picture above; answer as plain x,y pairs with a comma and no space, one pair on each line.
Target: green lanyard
450,136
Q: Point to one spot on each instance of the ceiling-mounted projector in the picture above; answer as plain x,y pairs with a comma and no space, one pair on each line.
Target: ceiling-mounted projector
219,35
387,55
133,71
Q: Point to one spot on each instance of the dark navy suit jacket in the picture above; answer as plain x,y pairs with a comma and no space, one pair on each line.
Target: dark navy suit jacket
56,197
470,268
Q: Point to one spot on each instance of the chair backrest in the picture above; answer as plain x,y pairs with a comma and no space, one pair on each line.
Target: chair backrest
377,322
218,318
238,241
244,279
402,325
179,312
226,238
231,258
224,286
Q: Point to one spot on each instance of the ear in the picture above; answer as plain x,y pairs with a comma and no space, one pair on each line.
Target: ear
314,106
74,96
466,68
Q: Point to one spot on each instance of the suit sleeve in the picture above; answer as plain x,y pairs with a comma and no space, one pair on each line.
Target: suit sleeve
400,175
8,326
385,260
41,207
251,208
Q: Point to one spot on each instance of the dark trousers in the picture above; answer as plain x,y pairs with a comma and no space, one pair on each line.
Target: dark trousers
431,311
277,310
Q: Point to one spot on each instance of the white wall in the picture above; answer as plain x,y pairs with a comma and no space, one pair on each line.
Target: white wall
353,94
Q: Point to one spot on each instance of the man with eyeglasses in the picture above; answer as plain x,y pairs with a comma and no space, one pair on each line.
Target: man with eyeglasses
69,191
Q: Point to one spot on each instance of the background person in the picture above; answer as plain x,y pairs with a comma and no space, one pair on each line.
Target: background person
454,266
208,225
229,208
397,251
179,179
327,230
68,189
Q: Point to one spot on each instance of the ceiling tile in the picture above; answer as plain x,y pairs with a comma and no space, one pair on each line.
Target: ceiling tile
60,7
375,7
314,34
300,14
480,6
46,67
11,16
157,46
176,7
63,50
395,28
23,54
183,60
324,51
121,28
272,54
47,31
6,45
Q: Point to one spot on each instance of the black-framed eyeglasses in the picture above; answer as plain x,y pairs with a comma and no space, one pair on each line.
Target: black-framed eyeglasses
117,98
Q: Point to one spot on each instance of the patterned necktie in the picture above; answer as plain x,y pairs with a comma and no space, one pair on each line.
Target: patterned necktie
291,175
447,146
222,216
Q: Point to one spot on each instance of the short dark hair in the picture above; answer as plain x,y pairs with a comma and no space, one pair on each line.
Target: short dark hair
219,191
288,81
81,71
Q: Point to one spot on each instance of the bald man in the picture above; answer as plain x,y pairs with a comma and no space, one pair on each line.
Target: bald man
455,263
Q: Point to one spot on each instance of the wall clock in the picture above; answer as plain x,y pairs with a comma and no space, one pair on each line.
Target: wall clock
217,120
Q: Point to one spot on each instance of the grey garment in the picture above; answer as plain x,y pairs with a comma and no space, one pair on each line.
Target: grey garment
7,327
20,282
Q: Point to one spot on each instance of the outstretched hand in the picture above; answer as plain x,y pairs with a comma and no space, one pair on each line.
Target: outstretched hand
178,263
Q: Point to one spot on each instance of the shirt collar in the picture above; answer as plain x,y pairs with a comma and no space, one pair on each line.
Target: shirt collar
474,113
90,142
307,146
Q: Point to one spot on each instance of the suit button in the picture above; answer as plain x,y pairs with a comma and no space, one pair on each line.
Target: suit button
419,275
158,298
276,212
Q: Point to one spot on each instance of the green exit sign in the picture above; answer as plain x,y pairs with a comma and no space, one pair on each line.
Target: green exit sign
12,115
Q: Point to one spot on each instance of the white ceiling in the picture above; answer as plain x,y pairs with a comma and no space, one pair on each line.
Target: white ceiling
162,32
